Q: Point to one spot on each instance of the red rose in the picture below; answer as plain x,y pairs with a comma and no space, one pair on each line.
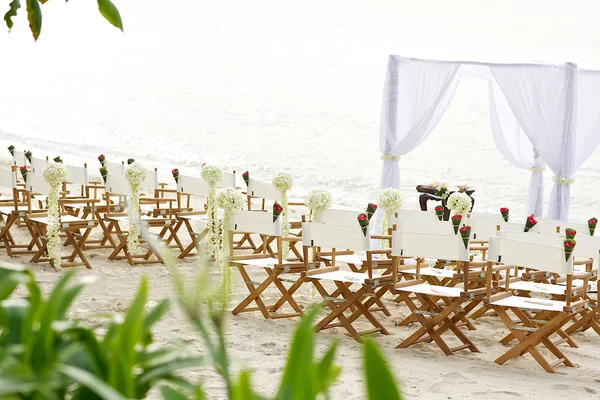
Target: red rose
457,218
439,207
532,220
592,222
362,217
23,168
277,207
465,228
503,210
373,205
569,244
175,171
245,173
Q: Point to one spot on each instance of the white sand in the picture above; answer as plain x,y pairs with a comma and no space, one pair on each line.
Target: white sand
261,345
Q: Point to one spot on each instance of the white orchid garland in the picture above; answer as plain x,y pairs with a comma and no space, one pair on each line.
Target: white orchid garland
390,200
563,180
135,174
54,174
212,175
317,200
459,203
230,200
283,183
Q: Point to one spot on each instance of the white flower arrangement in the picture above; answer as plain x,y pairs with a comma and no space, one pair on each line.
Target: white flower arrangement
458,203
54,174
537,169
390,200
389,157
230,200
317,200
135,174
212,175
563,180
283,183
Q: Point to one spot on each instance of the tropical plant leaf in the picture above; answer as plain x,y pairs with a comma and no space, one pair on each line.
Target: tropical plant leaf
12,12
34,16
380,381
167,369
110,12
90,381
327,373
168,393
243,389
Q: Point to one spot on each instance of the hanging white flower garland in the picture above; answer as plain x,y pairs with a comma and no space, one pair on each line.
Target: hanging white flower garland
283,183
212,175
563,180
230,200
317,200
390,200
135,174
459,203
54,174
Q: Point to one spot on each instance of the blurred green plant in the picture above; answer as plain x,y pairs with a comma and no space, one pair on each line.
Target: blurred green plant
46,355
34,14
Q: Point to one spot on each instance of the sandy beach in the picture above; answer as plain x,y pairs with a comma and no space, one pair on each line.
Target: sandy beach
261,345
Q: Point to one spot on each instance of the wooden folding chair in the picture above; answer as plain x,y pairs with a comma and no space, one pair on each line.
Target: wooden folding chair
441,307
113,224
530,332
354,293
75,229
278,271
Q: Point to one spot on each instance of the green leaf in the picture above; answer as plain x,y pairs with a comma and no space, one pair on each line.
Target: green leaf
299,381
327,373
34,16
14,6
380,381
168,393
167,369
92,382
243,390
110,12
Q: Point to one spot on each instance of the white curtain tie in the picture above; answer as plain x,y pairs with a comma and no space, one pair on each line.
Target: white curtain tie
389,157
563,180
537,169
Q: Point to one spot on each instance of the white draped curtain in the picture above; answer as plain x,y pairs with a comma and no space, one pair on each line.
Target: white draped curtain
416,95
541,114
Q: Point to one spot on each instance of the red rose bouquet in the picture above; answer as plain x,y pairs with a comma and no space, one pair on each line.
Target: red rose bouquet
371,208
246,176
101,158
23,170
504,212
277,209
439,211
363,221
530,223
592,225
28,155
465,234
104,173
456,222
11,149
57,159
569,246
130,161
570,232
175,173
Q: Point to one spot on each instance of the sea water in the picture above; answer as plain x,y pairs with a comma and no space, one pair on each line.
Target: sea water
270,86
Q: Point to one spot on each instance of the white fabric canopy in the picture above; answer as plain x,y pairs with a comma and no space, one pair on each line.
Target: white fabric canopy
539,115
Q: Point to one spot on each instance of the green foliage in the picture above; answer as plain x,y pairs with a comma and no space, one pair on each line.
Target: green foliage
34,14
380,381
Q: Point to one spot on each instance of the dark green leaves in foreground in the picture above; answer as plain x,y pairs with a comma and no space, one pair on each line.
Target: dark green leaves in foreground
34,14
380,381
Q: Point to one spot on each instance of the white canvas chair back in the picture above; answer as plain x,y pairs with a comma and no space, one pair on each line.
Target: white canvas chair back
549,226
587,247
264,190
78,175
538,256
117,185
485,228
255,222
37,184
429,245
8,178
549,239
228,181
497,218
418,215
38,164
338,217
423,226
193,186
335,236
114,168
151,181
19,158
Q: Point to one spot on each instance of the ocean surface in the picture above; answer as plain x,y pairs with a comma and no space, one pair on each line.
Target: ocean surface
270,86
